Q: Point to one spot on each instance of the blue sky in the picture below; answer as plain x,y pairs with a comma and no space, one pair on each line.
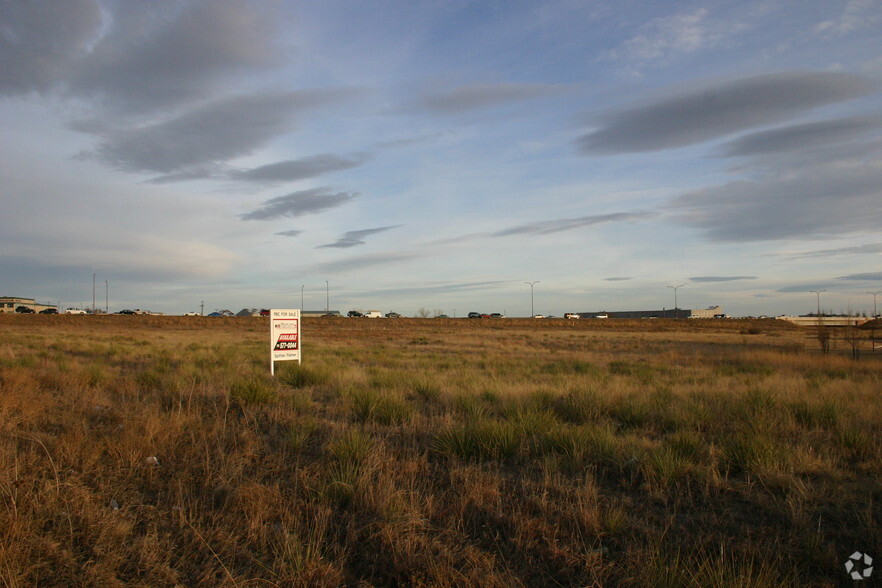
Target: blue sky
438,155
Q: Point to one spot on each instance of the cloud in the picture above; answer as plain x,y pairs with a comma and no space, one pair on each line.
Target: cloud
800,137
289,233
666,36
567,224
300,203
364,261
807,288
716,111
857,14
478,96
869,248
870,276
298,169
824,201
41,42
220,130
721,278
443,288
617,279
161,55
354,238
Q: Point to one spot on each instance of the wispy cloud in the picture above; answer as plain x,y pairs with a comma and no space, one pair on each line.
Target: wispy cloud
290,233
869,248
668,36
868,277
300,203
355,238
567,224
857,14
721,278
363,261
803,136
617,279
716,111
217,131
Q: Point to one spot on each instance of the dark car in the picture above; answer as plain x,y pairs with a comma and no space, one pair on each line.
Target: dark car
24,310
127,311
49,311
354,314
496,315
264,312
474,315
393,315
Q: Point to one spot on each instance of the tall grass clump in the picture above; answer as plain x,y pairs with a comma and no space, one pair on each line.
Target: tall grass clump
299,376
381,407
253,391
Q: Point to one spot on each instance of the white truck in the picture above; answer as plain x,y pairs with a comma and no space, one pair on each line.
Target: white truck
373,314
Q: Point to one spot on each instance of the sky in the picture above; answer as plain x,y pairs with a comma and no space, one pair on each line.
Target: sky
440,154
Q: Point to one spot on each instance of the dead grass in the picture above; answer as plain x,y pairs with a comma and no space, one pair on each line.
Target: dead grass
157,451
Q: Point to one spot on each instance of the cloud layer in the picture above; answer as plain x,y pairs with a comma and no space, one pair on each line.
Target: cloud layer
300,203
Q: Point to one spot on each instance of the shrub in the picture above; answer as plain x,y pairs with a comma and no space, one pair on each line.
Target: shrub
253,391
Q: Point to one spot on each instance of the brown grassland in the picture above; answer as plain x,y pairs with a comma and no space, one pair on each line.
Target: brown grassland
157,451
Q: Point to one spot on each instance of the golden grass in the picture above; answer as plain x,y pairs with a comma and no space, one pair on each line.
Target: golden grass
157,451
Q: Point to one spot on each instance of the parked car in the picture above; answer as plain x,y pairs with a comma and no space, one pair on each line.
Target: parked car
126,311
393,315
74,311
373,314
24,310
191,314
354,314
474,315
538,316
264,312
49,311
571,315
441,316
496,315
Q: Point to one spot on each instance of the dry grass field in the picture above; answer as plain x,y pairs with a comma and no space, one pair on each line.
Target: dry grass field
157,451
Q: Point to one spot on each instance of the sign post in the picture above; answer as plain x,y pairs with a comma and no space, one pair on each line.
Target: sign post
284,336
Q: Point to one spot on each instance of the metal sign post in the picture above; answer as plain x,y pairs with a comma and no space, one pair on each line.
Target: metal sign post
284,336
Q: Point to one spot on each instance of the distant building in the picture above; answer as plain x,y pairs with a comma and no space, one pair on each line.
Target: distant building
10,303
678,313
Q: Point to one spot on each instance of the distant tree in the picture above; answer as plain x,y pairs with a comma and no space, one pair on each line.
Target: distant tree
423,313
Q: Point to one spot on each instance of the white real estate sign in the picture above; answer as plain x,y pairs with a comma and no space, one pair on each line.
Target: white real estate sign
284,336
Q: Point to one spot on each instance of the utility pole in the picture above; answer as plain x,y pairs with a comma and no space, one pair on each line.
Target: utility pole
106,297
675,297
532,309
327,297
202,308
875,312
93,293
301,297
818,292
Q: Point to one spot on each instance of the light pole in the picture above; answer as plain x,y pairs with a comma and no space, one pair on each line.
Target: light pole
675,297
532,311
875,312
201,308
106,297
327,297
818,292
93,293
301,297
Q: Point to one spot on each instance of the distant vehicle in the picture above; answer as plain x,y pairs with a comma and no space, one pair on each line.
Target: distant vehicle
602,315
354,314
393,315
496,315
474,315
24,310
373,314
329,315
264,312
485,315
571,315
538,316
49,311
191,314
441,316
74,311
126,311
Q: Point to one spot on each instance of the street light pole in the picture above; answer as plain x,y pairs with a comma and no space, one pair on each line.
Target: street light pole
818,292
327,297
106,297
93,293
675,297
301,297
875,312
532,310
